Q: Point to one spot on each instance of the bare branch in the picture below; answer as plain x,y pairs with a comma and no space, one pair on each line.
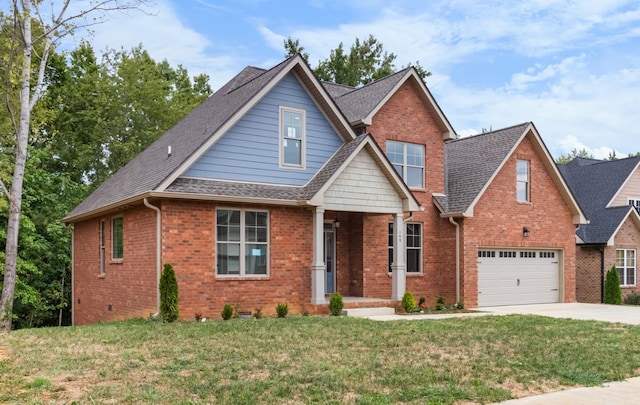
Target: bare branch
4,189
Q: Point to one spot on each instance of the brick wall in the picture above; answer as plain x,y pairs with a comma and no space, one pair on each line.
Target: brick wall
498,221
588,278
628,237
128,287
189,244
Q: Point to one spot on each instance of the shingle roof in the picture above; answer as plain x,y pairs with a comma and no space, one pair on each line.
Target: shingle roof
472,161
594,184
153,165
362,101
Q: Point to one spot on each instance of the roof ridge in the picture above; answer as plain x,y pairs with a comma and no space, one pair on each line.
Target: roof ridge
264,71
475,136
373,82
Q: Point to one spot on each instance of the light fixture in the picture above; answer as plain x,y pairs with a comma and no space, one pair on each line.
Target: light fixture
525,232
336,224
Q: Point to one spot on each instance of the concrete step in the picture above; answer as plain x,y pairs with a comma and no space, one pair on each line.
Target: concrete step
363,312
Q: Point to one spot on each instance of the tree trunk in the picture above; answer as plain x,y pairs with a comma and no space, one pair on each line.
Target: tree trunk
15,199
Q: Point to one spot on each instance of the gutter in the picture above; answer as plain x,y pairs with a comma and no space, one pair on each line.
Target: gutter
457,225
158,253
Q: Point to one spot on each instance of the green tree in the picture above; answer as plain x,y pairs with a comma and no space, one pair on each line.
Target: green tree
365,62
612,292
168,294
583,153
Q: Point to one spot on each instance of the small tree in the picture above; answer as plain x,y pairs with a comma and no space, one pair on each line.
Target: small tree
168,294
612,292
336,304
408,302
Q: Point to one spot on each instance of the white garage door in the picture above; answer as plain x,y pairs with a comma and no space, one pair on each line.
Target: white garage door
515,277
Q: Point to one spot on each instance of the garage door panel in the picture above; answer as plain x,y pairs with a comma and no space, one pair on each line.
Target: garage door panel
513,277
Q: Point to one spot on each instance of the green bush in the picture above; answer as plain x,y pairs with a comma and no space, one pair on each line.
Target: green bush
612,292
168,294
440,303
336,304
408,302
632,299
227,311
282,310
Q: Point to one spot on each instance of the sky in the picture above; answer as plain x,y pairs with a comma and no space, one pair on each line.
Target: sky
570,67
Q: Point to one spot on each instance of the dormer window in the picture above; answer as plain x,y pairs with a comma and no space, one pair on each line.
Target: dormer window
292,137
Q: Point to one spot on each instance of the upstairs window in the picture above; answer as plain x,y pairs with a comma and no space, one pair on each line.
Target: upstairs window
408,160
292,137
626,266
635,202
117,238
522,181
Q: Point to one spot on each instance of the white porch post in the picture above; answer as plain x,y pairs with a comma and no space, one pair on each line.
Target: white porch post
318,267
398,267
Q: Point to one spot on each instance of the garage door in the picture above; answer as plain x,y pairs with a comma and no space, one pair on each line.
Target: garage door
515,277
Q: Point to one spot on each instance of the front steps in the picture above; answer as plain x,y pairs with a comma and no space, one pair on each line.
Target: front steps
365,312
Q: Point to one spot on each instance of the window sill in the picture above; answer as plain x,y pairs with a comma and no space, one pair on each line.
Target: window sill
242,278
408,274
116,261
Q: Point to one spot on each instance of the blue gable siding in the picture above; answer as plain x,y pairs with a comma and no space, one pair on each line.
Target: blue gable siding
250,150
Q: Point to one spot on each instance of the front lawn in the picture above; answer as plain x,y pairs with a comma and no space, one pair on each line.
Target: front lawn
313,359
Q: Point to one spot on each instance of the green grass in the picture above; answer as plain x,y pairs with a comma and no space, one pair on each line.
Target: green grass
313,359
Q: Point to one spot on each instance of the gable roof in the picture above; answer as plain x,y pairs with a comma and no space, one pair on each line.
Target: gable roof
596,183
360,104
154,169
472,163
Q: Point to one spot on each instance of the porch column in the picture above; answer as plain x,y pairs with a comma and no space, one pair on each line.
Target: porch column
318,267
398,266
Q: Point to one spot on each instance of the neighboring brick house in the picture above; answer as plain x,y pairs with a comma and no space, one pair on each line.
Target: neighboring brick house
609,194
280,188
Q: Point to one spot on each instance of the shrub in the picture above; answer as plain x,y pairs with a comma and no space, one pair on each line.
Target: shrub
336,304
257,313
408,302
168,294
227,311
440,303
282,310
632,299
612,292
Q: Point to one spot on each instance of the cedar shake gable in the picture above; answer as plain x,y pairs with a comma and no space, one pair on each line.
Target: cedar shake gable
595,183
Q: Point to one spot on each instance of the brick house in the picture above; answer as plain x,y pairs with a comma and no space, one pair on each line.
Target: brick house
609,194
280,188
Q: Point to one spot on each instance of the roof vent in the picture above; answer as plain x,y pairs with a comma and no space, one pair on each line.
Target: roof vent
169,151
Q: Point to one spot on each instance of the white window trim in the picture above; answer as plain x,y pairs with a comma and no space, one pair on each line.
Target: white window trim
303,139
635,201
528,182
113,235
405,165
103,246
635,266
406,248
243,244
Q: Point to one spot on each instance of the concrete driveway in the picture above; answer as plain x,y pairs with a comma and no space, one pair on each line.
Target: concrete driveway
589,312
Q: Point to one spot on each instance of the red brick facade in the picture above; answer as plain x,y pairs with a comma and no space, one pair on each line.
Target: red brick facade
589,263
129,287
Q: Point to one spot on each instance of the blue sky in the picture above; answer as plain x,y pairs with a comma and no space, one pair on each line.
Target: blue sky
571,67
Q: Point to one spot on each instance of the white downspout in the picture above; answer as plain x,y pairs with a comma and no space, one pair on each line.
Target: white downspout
158,254
457,225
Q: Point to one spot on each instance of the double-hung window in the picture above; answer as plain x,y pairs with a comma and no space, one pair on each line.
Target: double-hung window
292,137
408,160
117,238
413,253
242,243
522,181
635,202
626,266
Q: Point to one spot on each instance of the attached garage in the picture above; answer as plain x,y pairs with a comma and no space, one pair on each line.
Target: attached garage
518,276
